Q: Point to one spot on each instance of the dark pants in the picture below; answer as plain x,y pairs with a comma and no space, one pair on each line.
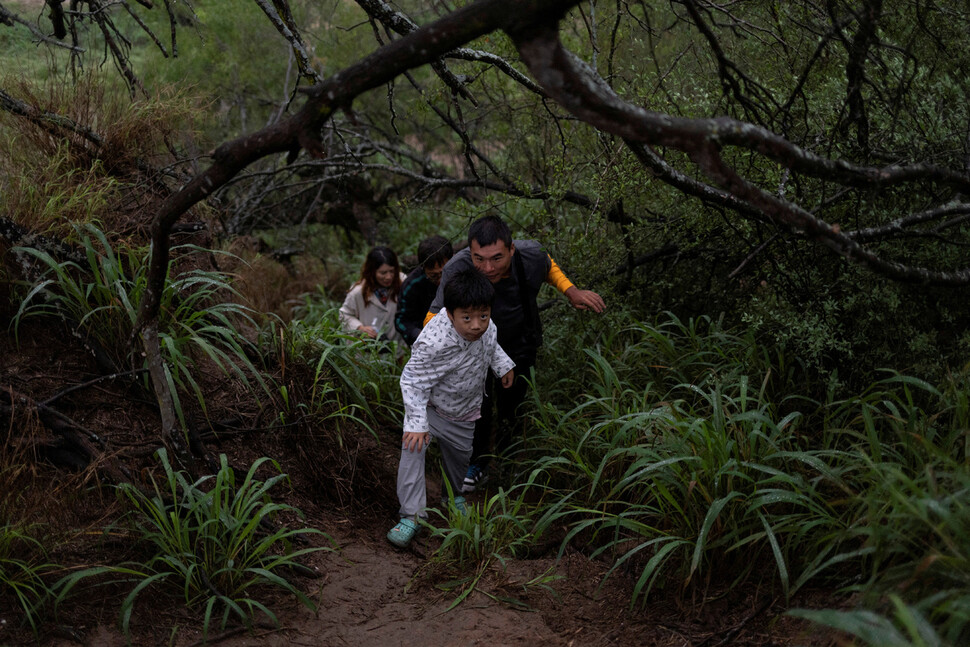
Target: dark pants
499,410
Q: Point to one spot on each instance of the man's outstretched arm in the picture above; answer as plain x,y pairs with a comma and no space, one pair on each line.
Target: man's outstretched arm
579,299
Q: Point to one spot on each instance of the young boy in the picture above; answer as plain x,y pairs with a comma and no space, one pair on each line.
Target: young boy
442,385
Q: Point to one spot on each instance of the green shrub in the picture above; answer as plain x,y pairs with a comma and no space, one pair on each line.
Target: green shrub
216,540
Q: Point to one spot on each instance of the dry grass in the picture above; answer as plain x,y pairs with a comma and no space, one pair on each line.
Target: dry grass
269,286
88,154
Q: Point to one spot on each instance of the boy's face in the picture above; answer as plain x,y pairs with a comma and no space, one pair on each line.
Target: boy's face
471,323
434,273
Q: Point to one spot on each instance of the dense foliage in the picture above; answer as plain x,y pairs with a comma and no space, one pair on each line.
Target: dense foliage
752,408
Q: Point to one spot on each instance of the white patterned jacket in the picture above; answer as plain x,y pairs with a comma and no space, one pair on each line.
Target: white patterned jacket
449,372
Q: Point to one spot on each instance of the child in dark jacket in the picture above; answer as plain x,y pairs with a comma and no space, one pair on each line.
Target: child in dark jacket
420,287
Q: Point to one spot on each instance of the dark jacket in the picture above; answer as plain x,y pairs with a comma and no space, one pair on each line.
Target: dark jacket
514,311
417,293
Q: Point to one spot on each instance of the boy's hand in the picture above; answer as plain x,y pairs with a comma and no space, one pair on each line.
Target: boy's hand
507,379
415,441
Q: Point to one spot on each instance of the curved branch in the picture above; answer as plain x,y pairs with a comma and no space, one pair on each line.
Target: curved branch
576,86
579,89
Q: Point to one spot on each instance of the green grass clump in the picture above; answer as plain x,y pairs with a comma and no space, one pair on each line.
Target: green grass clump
475,537
215,539
99,301
24,571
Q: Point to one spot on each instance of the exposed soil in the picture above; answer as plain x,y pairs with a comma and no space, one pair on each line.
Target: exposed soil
367,592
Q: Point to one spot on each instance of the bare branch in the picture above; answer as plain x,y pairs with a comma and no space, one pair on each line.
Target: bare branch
279,14
9,18
576,86
900,225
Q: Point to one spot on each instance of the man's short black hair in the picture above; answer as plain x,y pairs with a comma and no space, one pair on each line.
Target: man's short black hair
434,250
488,230
468,289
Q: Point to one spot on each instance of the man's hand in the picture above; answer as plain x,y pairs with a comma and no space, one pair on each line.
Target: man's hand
415,441
507,379
585,299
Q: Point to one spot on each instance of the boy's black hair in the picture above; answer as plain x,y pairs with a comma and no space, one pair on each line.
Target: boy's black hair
468,289
488,230
434,250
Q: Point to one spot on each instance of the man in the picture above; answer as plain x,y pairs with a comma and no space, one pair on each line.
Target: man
517,269
421,285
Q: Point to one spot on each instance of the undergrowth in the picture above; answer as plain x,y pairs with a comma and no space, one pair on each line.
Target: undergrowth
217,540
690,456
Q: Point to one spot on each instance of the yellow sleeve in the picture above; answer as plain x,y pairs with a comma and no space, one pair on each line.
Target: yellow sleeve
428,317
557,278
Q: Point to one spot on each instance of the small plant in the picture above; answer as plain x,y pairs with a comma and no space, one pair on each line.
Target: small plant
476,537
493,530
22,570
215,541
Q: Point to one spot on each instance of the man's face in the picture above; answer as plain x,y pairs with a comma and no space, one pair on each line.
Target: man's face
434,273
471,323
494,261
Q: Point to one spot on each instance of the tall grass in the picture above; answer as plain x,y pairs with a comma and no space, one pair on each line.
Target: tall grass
332,375
103,162
99,301
692,457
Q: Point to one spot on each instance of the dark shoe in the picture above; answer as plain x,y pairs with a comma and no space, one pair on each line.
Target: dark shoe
475,478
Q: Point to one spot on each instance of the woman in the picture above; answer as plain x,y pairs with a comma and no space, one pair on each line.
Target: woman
371,304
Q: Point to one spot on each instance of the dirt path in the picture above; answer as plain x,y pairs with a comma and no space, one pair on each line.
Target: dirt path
373,594
370,593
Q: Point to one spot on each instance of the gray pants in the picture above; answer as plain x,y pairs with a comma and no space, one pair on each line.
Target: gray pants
455,442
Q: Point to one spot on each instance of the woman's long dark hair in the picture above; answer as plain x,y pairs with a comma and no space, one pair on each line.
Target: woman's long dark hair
368,272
